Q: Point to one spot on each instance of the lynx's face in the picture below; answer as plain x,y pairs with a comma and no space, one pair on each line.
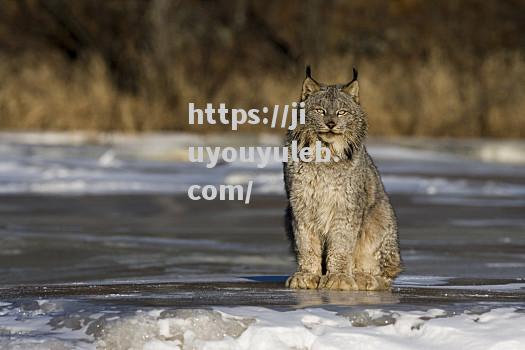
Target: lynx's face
334,115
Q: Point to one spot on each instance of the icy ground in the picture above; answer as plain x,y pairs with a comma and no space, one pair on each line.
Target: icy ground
92,227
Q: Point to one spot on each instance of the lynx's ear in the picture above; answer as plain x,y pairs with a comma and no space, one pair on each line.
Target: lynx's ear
309,85
352,88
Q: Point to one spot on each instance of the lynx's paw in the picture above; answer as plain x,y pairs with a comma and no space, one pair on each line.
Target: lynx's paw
303,280
369,282
337,282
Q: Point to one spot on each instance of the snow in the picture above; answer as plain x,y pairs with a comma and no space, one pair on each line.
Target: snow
259,329
153,163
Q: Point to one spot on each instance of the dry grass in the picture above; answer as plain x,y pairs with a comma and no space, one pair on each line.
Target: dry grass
433,68
42,95
424,98
432,98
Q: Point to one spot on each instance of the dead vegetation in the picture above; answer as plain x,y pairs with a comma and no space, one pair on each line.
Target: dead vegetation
442,68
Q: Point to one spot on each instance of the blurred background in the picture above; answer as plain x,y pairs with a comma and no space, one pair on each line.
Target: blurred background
427,68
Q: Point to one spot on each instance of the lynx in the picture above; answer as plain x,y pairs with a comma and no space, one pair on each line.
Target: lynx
339,218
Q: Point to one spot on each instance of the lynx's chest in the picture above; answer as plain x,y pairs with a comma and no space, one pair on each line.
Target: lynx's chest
328,185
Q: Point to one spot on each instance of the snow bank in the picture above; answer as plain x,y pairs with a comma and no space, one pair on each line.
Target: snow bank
53,325
260,329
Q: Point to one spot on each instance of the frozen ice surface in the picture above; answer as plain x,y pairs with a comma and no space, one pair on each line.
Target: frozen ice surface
80,209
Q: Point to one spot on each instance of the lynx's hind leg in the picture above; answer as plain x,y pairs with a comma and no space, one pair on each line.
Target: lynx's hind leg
376,258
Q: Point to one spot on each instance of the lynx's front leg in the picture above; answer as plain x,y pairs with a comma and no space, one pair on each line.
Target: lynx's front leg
309,252
340,246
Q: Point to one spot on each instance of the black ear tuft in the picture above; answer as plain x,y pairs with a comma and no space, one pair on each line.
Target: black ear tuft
309,85
308,72
355,74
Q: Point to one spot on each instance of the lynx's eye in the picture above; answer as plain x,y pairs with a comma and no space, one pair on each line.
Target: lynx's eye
319,110
342,112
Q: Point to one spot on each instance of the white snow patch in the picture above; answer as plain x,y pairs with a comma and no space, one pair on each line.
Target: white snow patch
257,328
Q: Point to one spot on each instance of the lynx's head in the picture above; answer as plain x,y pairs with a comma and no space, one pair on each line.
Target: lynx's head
333,115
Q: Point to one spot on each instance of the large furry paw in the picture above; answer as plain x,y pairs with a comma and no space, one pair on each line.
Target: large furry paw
370,282
337,282
303,280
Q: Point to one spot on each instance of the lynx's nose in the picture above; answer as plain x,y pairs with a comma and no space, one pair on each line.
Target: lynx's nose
330,124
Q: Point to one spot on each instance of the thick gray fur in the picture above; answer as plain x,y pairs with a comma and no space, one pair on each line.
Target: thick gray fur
339,218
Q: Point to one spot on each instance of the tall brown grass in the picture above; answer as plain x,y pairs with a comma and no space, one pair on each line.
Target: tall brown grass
428,68
51,94
428,98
